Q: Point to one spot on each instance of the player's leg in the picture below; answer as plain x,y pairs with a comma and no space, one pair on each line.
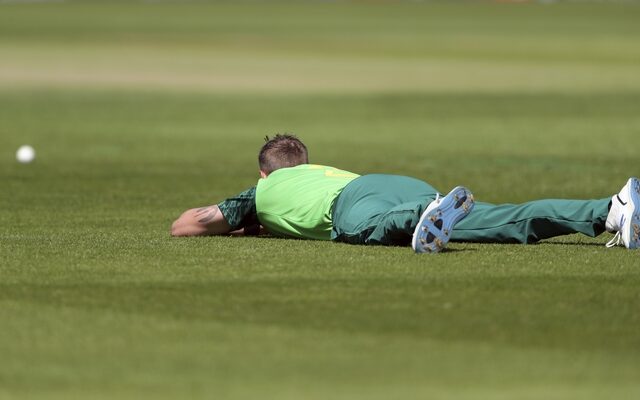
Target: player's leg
428,229
536,220
532,221
397,225
380,209
386,209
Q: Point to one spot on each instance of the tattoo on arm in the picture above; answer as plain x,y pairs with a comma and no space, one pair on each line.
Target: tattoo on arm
206,214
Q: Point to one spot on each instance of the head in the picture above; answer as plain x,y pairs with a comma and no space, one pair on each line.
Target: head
281,151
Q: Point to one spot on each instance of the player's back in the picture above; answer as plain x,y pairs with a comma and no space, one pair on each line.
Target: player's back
297,201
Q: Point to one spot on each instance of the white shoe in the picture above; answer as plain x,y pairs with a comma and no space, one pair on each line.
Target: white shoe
624,216
436,223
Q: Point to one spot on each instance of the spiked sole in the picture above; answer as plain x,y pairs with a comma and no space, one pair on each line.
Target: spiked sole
434,228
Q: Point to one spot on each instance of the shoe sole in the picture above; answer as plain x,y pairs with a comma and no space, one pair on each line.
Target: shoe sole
634,223
434,228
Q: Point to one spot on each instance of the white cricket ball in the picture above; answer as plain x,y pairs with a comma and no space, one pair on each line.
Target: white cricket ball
25,154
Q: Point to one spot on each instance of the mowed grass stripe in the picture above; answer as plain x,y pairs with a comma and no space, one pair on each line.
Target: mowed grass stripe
236,361
315,48
563,146
220,71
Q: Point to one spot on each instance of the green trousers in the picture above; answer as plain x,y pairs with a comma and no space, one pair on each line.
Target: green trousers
385,209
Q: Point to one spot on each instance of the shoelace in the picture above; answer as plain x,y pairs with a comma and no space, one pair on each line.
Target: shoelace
615,241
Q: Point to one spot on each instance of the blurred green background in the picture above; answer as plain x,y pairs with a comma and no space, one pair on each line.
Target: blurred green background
139,110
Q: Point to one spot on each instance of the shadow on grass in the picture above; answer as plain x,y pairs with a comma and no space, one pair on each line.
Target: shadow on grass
450,250
572,243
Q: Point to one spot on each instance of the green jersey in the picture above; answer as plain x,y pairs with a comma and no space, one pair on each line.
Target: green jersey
293,202
297,201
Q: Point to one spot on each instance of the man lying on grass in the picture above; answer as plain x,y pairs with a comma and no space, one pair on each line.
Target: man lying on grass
296,199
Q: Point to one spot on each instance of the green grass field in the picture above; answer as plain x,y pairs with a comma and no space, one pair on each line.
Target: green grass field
140,110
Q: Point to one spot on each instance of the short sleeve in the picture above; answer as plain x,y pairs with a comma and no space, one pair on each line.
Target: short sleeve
240,210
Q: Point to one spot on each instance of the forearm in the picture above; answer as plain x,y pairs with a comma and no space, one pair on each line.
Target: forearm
203,221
